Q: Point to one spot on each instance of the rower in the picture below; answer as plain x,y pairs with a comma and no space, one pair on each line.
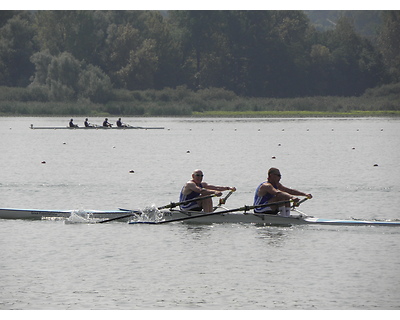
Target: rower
87,124
197,187
106,123
271,191
72,125
120,124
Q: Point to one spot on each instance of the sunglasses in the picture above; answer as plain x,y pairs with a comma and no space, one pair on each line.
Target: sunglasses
199,175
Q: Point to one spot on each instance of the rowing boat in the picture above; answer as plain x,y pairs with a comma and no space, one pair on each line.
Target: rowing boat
96,127
154,216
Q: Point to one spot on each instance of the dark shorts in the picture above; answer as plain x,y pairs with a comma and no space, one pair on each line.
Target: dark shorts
192,209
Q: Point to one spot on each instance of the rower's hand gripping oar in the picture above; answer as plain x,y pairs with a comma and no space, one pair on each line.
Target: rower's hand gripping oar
298,203
171,205
223,200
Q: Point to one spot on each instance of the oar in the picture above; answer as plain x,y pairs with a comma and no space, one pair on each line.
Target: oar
175,204
171,205
132,213
296,204
244,208
223,200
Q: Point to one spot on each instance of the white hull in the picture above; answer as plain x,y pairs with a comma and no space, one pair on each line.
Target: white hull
189,217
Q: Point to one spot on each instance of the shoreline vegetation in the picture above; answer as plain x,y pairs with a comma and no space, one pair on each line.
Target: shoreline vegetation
383,101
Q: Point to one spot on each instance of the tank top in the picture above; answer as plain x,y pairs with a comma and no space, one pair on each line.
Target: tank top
184,197
262,200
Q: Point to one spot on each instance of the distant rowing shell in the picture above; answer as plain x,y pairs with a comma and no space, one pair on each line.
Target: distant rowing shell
96,127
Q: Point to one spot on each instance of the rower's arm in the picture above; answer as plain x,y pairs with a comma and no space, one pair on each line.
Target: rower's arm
295,192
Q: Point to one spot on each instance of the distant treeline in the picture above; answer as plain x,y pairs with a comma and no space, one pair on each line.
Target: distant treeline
380,101
145,62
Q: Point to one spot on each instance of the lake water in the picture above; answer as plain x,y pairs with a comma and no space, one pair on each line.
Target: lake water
351,166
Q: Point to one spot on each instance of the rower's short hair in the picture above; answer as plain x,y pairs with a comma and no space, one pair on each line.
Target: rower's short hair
273,171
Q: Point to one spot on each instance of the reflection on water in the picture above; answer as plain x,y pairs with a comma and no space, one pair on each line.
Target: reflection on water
273,235
198,232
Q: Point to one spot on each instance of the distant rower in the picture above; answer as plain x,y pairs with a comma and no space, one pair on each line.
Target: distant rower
72,125
106,123
87,124
120,124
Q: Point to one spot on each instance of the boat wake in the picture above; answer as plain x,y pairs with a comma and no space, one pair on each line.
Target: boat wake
149,214
80,216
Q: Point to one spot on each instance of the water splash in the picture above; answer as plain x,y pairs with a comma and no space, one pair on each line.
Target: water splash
150,214
80,216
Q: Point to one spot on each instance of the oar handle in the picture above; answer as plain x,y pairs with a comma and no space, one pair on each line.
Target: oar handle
223,200
296,204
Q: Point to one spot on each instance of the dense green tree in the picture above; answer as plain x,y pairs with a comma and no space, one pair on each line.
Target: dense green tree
166,74
68,31
343,63
138,73
266,52
390,42
42,61
16,47
5,15
132,62
94,85
289,60
321,69
64,78
197,32
70,55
